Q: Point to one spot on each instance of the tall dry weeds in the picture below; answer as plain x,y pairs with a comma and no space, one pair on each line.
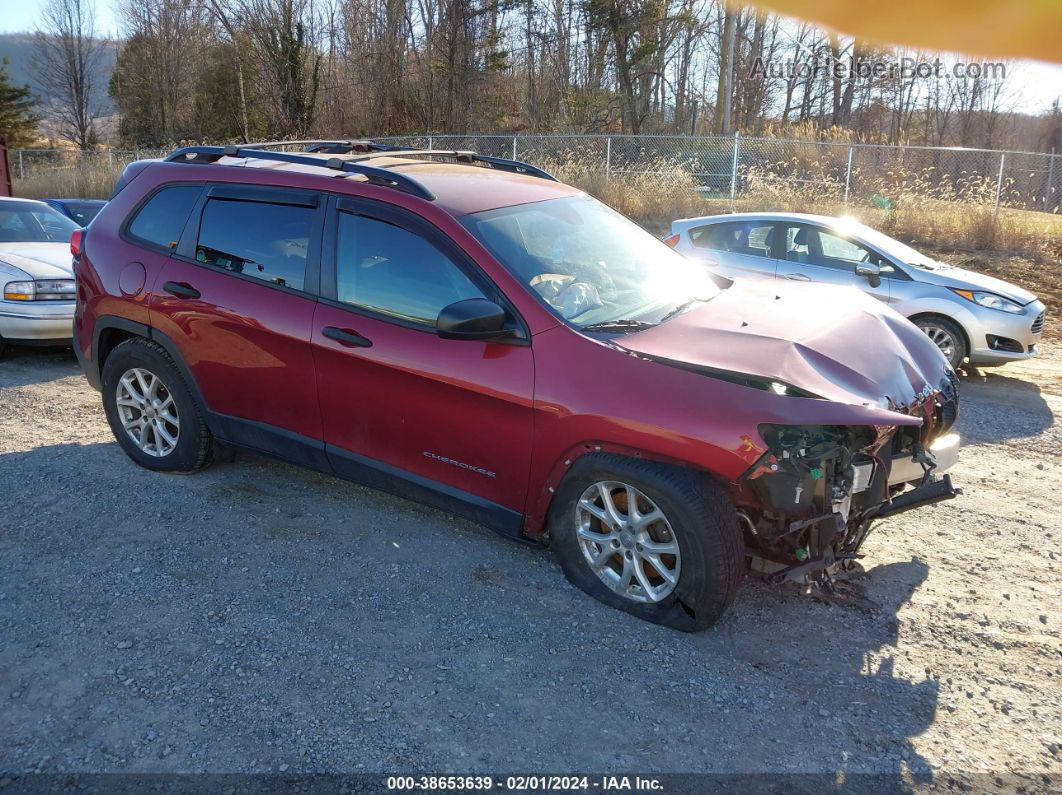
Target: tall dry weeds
88,178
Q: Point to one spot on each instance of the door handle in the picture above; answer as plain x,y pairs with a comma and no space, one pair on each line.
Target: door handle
798,277
346,336
181,290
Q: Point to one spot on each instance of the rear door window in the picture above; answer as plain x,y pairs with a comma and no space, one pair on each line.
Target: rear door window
750,238
160,221
261,240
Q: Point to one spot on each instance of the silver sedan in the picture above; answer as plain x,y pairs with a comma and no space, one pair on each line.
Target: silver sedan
36,274
967,314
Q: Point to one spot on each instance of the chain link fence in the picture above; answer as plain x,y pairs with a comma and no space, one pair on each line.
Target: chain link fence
731,166
717,167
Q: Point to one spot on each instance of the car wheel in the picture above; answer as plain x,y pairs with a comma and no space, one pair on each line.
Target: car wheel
946,336
659,542
151,411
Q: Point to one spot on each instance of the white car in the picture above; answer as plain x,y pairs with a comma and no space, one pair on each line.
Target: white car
36,273
967,314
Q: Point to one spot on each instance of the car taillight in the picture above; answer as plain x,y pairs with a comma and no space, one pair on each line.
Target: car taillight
672,241
76,238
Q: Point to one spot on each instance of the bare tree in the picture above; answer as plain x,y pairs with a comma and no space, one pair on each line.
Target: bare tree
66,61
220,11
224,69
725,91
164,50
283,33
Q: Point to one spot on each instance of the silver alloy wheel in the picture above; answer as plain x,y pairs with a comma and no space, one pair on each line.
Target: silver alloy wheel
627,541
147,412
941,337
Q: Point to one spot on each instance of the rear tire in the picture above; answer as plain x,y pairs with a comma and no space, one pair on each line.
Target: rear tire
947,336
696,517
151,411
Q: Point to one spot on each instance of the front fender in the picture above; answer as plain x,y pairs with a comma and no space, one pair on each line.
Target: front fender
929,305
662,413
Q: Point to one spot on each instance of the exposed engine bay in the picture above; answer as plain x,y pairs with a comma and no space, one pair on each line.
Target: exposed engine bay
807,505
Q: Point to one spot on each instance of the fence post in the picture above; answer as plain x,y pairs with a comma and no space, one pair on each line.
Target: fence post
733,171
1050,177
608,157
429,142
21,166
999,181
514,147
848,177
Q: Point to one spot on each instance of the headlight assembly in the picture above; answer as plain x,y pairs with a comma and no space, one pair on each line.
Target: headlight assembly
19,291
41,290
990,300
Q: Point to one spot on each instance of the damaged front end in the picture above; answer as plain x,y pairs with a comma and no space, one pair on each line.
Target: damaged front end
807,504
846,418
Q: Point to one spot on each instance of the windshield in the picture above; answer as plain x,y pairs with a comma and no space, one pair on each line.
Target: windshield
83,212
887,245
589,263
23,222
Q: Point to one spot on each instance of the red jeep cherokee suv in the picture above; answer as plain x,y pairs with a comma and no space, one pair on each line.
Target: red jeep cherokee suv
468,332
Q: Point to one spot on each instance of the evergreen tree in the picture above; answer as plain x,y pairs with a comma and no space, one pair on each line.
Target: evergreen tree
18,118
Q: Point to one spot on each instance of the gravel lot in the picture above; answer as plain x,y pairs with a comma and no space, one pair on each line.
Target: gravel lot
261,617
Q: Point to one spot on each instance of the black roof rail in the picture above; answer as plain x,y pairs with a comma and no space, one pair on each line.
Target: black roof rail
306,144
371,149
460,155
516,166
375,176
317,145
356,164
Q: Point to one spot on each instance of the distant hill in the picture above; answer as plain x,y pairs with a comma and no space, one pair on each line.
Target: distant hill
18,49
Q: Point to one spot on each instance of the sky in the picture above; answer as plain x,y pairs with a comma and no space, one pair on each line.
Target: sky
22,15
1035,84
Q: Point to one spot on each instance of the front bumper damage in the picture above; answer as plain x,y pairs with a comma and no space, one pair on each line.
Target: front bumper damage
807,505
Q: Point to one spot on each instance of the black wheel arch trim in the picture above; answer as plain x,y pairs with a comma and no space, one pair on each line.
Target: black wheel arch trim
94,372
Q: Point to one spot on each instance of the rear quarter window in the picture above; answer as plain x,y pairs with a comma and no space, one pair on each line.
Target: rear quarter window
711,236
160,221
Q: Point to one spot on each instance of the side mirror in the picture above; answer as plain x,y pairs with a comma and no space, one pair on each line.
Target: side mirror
871,272
472,319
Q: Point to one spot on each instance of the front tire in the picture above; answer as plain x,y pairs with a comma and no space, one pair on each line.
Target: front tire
659,542
151,411
947,336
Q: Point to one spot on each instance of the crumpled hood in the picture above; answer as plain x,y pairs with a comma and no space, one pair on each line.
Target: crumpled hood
39,260
963,279
836,342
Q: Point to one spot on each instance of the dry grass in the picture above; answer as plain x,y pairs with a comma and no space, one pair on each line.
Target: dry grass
91,178
654,198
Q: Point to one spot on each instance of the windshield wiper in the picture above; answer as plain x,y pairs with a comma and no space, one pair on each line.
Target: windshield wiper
678,310
623,324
